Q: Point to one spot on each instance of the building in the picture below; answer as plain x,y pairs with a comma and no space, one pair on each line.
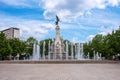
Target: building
11,33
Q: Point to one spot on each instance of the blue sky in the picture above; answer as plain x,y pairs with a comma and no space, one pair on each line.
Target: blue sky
81,20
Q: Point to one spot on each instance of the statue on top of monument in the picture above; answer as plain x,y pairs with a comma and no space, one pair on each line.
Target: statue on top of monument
57,20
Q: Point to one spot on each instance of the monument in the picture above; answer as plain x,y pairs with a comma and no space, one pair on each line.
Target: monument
57,50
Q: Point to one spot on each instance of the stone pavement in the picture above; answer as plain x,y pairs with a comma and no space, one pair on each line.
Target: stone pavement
59,71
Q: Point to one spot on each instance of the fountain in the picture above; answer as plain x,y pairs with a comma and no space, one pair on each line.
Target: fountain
57,49
78,51
36,52
49,50
60,53
97,56
43,50
81,51
66,50
54,57
100,56
75,52
71,50
94,56
88,55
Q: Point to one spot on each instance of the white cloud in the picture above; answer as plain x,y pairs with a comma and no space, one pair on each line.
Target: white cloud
76,11
113,2
71,9
35,28
20,3
90,37
75,39
105,31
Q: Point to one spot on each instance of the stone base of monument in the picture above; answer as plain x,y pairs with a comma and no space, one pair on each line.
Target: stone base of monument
61,62
58,56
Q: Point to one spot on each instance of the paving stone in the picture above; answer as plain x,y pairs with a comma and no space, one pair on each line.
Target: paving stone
59,71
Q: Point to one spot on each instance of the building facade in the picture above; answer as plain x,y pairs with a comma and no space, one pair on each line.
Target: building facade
11,33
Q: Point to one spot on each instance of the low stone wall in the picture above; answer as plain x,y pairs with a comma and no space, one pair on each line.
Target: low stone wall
61,62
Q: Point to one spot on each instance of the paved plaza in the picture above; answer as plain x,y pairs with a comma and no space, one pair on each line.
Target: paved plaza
59,71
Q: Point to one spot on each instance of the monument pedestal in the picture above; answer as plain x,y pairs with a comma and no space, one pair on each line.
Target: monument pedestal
57,56
57,51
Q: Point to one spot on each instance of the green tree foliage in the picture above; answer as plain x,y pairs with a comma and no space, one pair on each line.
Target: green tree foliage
11,46
46,46
5,48
107,45
88,48
18,47
29,45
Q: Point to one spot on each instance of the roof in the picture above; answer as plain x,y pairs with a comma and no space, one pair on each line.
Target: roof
10,28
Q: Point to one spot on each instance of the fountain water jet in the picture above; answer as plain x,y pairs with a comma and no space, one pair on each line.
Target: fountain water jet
71,51
66,50
36,52
43,50
49,50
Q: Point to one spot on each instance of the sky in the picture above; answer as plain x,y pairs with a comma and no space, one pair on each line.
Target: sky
80,20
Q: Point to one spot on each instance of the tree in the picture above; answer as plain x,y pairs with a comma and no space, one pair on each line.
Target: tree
41,43
18,47
2,43
31,41
29,45
5,48
88,48
107,45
